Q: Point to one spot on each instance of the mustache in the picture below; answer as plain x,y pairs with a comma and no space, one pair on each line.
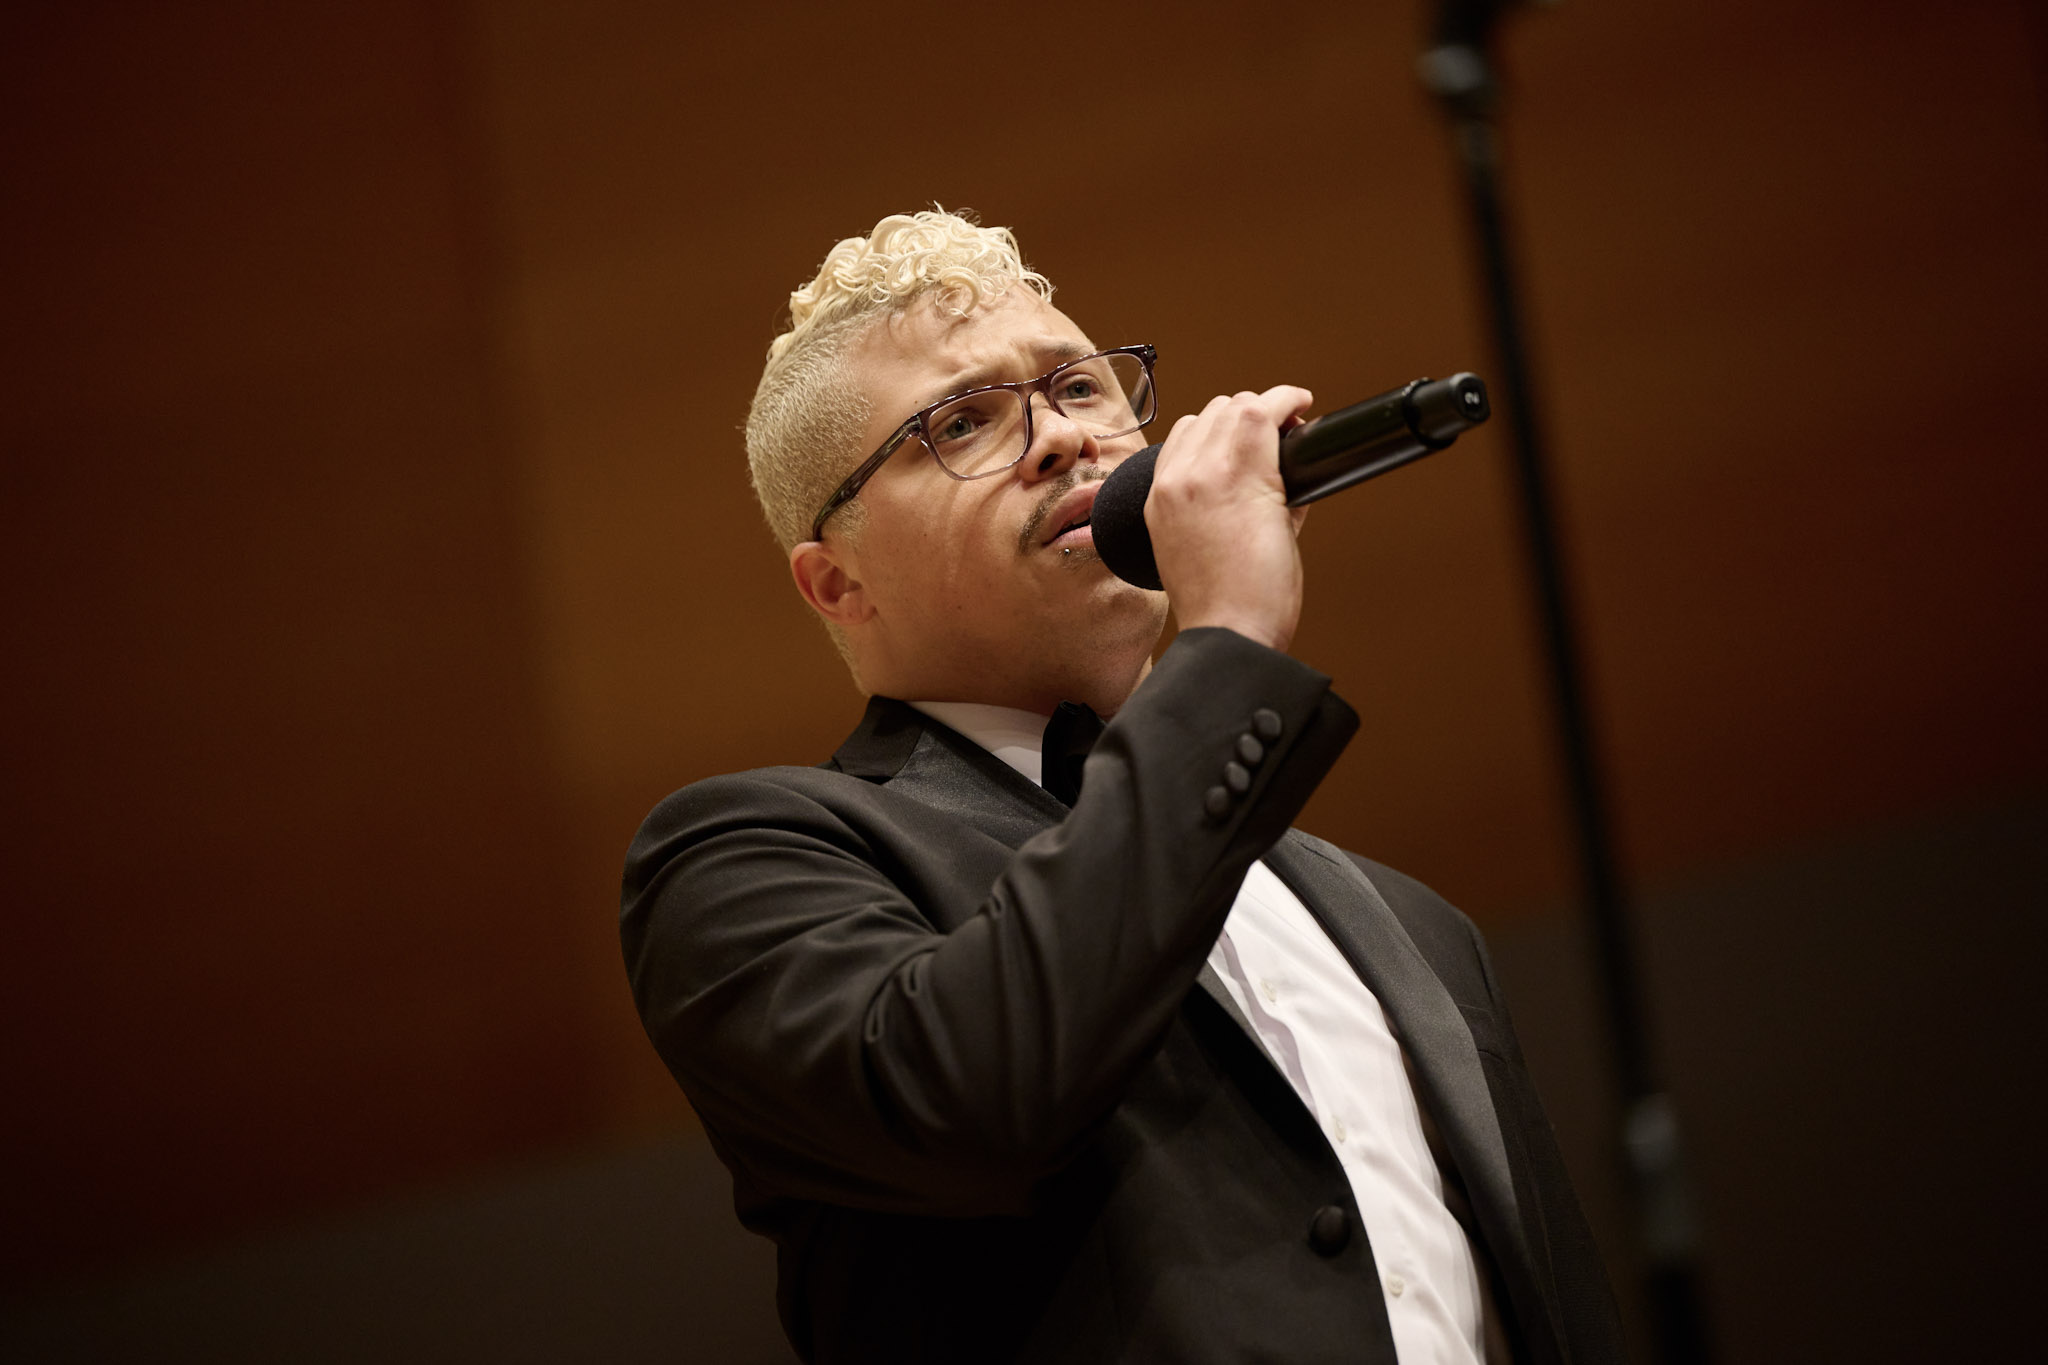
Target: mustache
1027,538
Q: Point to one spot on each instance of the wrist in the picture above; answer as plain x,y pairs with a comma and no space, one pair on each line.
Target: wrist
1252,627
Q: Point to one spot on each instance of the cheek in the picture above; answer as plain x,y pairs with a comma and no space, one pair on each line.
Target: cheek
961,534
952,551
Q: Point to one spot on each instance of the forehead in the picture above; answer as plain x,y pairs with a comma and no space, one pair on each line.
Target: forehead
914,358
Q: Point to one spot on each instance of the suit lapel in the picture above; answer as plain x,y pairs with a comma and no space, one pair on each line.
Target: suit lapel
1220,993
1445,1063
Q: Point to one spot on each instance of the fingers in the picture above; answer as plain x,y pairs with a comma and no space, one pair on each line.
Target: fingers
1240,428
1289,403
1302,400
1221,530
1280,408
1235,438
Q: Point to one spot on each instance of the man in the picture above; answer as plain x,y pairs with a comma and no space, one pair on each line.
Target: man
1133,1072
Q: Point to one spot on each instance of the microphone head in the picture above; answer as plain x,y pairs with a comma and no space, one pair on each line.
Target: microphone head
1118,520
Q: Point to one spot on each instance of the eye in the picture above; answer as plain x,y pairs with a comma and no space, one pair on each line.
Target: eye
1079,388
961,422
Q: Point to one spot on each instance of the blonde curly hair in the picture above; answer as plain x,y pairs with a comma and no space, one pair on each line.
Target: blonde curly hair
803,431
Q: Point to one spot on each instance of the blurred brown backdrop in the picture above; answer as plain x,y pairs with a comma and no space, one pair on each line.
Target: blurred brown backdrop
377,549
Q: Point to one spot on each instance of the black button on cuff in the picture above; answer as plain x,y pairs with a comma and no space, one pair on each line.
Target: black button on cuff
1216,802
1329,1230
1250,750
1237,777
1266,721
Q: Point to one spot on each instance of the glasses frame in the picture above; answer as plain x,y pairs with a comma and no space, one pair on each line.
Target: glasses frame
918,425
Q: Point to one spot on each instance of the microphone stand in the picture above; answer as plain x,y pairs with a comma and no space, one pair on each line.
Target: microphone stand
1457,69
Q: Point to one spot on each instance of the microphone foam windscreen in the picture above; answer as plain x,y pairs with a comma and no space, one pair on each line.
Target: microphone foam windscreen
1118,520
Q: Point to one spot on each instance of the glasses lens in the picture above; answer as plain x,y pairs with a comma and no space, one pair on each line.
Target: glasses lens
980,432
1107,394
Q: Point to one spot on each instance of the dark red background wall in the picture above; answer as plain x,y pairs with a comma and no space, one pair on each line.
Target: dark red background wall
376,547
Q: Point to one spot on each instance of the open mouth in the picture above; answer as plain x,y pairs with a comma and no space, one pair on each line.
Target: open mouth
1071,518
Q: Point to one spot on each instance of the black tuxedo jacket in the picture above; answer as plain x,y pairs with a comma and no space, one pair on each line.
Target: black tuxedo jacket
960,1051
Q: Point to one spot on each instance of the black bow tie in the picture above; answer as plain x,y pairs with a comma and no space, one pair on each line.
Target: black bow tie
1069,735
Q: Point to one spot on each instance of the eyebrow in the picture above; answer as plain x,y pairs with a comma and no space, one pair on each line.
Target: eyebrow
1052,353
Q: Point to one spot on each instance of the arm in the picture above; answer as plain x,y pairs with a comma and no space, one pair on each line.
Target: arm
841,1048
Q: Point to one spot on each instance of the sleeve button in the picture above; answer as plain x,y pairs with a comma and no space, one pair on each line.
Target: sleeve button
1249,750
1237,777
1267,722
1217,803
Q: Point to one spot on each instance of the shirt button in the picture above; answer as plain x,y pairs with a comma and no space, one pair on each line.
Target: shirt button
1396,1285
1337,1130
1268,989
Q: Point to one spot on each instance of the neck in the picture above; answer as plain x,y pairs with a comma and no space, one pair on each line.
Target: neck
1103,688
1104,692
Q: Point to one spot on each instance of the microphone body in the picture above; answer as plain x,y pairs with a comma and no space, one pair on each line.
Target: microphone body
1317,458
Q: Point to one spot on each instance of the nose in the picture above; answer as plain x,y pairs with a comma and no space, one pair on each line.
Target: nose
1057,442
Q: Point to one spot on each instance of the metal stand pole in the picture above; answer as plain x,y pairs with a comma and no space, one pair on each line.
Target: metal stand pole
1458,71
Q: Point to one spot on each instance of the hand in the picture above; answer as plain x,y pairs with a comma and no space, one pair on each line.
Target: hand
1222,532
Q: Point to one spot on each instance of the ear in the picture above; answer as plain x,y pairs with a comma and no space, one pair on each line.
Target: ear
830,586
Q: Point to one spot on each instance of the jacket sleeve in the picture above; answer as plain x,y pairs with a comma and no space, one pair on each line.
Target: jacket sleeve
841,1048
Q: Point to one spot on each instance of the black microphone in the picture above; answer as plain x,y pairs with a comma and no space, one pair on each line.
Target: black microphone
1317,458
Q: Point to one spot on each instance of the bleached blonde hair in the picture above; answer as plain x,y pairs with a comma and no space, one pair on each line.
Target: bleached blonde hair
803,432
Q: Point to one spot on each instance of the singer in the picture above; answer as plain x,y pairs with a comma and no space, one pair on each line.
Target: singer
1028,1038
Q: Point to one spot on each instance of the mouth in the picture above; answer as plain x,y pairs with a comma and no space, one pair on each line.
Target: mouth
1070,518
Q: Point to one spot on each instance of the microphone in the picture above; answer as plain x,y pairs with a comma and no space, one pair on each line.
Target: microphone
1317,458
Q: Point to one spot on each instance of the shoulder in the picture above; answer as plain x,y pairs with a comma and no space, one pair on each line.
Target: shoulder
765,788
810,800
774,824
723,869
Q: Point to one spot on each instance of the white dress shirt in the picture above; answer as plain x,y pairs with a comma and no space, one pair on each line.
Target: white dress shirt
1327,1034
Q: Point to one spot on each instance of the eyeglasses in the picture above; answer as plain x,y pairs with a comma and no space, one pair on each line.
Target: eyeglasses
987,430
